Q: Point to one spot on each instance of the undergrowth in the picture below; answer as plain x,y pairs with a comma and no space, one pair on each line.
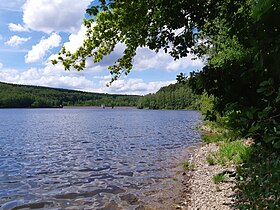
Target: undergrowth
258,181
218,178
257,168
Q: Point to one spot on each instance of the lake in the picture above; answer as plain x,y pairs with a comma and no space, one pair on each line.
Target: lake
88,158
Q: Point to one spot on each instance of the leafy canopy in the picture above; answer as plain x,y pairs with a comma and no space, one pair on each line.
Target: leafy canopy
161,24
240,38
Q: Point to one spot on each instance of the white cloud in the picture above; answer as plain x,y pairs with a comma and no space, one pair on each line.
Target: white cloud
147,59
47,76
17,27
54,15
16,41
39,50
53,76
135,86
76,39
13,5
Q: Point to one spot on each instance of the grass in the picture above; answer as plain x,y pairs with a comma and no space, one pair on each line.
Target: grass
235,152
188,166
231,151
257,169
218,178
212,137
211,160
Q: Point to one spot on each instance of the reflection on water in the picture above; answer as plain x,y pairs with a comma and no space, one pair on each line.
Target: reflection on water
87,158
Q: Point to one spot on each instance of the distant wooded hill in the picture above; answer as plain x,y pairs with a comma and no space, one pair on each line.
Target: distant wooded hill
25,96
174,96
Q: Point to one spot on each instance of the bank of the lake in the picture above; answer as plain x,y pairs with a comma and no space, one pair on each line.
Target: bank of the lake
201,190
229,172
193,187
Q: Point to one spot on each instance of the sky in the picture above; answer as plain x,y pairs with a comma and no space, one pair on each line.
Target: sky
33,31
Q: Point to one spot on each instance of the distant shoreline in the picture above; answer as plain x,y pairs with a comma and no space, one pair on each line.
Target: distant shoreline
99,107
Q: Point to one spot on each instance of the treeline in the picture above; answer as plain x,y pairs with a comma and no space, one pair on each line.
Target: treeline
24,96
174,96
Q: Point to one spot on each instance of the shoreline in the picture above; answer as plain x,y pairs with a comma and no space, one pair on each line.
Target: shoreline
193,188
199,192
172,191
202,192
99,107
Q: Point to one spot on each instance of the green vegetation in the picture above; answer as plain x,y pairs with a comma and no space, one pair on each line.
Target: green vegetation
231,150
174,96
257,169
20,96
242,71
239,40
212,137
219,178
258,181
211,160
188,166
235,152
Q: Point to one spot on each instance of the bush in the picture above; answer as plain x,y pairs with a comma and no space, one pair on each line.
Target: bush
258,181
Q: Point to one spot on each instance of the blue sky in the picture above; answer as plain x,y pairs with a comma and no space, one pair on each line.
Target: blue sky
33,31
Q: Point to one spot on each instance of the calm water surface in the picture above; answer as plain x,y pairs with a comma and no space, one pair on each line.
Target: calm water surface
87,158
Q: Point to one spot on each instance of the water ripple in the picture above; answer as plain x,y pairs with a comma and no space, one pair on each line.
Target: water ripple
87,158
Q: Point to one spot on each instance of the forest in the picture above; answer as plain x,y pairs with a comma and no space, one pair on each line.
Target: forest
25,96
174,96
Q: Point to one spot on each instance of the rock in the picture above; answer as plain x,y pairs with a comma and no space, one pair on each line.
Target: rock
204,194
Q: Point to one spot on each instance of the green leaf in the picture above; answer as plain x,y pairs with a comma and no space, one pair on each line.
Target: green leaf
277,144
270,139
254,128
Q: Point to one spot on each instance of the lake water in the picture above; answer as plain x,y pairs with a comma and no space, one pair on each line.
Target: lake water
88,158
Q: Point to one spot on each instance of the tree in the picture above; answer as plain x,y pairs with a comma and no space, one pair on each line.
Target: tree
243,71
240,38
161,24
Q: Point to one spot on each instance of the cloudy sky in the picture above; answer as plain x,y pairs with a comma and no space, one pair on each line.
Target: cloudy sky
33,31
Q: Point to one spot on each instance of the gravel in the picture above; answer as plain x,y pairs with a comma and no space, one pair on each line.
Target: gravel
200,190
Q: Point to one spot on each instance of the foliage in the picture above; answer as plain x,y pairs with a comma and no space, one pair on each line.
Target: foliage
235,152
162,24
174,96
257,170
20,96
241,40
207,105
218,178
242,72
258,181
